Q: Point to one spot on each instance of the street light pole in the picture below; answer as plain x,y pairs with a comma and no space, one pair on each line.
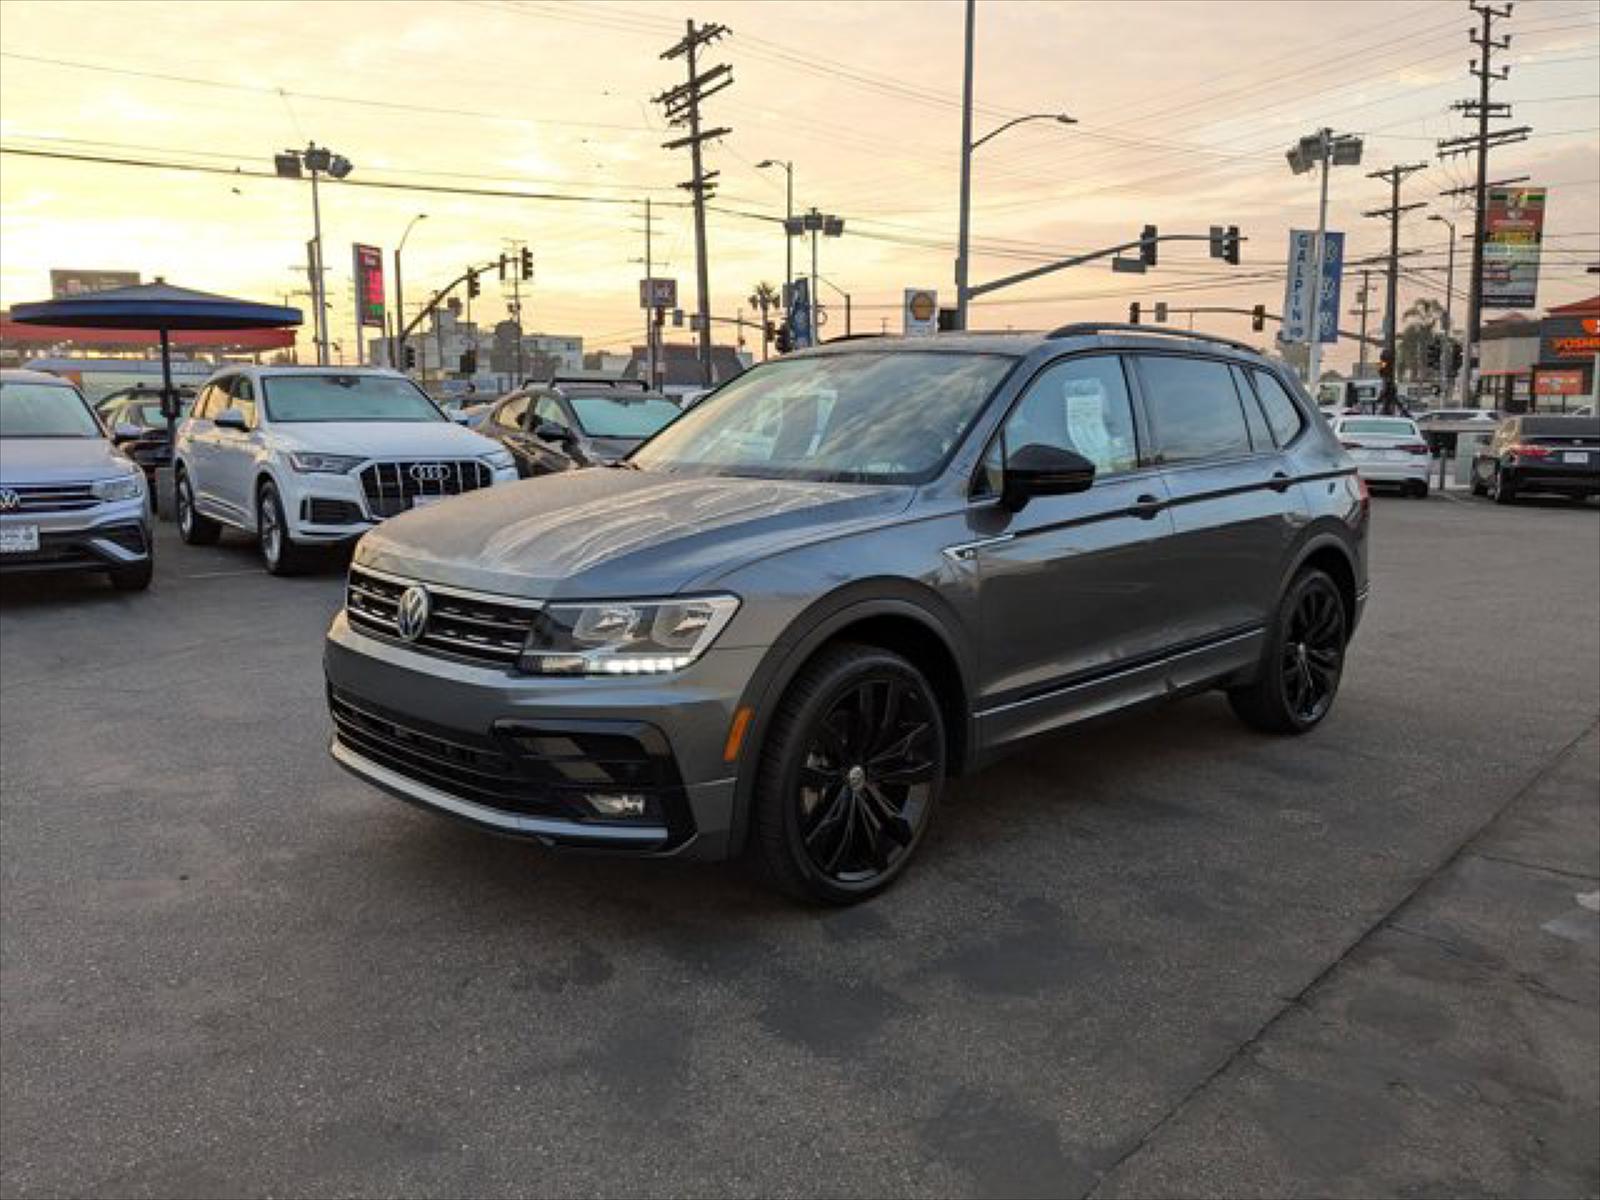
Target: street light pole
317,298
399,292
788,214
1325,149
966,173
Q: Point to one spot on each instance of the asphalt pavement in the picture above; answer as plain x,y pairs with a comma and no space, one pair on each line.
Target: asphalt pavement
1160,956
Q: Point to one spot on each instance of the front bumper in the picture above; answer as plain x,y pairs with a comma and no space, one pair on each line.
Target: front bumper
115,534
474,743
324,507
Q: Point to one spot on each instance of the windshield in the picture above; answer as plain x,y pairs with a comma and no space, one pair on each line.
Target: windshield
869,417
623,416
1380,427
45,410
296,398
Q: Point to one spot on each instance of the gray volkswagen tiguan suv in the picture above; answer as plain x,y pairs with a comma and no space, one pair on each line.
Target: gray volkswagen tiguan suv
848,574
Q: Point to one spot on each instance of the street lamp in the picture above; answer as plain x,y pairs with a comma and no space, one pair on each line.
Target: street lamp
1447,354
1329,149
814,223
319,160
399,295
788,214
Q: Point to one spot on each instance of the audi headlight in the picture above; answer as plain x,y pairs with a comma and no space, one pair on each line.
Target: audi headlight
309,462
500,460
123,487
624,637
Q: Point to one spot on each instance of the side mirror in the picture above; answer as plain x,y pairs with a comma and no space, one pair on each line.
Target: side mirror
549,431
230,418
125,432
1037,470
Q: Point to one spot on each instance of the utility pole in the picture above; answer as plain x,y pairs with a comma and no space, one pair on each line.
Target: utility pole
649,308
1481,143
682,107
963,252
1391,318
1365,296
517,246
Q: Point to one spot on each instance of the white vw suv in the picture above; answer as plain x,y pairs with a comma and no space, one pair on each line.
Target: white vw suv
306,456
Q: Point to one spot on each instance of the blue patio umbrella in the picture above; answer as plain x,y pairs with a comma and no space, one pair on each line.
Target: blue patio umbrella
161,307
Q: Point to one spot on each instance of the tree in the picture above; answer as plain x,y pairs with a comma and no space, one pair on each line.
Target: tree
765,296
1421,328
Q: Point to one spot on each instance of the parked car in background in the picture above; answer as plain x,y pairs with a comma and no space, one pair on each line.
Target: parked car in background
1533,454
309,456
847,574
138,426
69,499
1387,450
560,426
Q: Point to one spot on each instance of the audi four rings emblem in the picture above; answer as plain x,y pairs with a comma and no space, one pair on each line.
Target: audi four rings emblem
9,500
411,618
430,472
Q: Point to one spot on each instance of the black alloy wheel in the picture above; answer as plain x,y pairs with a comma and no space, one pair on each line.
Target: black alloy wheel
1302,662
851,774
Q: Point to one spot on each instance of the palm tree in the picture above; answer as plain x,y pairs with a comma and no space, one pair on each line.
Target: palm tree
1421,328
763,297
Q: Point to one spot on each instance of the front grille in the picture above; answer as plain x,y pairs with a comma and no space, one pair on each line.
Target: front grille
318,510
460,624
520,767
51,497
391,487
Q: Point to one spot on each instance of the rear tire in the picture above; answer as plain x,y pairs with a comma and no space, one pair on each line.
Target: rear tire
849,777
1479,487
1501,491
194,529
1420,491
1302,662
281,554
133,578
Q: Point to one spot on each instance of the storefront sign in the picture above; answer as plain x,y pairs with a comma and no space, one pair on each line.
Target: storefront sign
369,285
1513,230
1558,383
1568,338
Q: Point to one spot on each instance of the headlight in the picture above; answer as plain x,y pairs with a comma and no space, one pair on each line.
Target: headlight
624,637
328,464
123,487
500,460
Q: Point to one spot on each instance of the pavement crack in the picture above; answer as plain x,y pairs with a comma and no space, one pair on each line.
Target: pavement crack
1462,849
1581,876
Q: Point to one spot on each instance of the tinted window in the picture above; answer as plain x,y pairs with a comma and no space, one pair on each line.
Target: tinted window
1283,414
1193,408
1260,435
1079,404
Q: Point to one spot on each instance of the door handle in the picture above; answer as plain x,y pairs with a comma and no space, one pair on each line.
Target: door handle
1279,482
1146,507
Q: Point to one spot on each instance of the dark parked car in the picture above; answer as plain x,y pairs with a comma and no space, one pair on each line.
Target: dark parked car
846,575
1556,455
134,417
560,426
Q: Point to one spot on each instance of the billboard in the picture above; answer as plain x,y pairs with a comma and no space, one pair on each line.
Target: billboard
1513,228
369,285
80,283
658,293
1297,289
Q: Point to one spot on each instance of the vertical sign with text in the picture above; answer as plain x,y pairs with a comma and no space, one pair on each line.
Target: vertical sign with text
1513,231
1297,289
369,285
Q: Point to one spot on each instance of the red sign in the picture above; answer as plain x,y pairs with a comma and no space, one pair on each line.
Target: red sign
369,285
1558,383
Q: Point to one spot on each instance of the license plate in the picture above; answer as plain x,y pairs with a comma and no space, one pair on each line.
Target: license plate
1579,457
1393,455
19,539
424,501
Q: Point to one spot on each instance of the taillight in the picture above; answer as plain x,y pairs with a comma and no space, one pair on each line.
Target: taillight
1415,448
1521,451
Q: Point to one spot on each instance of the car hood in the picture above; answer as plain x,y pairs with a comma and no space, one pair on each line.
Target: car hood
384,439
614,532
59,460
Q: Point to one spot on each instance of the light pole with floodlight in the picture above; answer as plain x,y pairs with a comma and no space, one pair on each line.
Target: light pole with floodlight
318,160
788,216
1326,148
399,296
1447,352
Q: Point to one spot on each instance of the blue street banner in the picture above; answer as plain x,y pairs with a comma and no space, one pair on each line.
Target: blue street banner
800,332
1297,289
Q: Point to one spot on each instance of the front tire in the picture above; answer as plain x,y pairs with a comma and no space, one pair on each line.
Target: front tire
1303,661
281,554
194,529
849,777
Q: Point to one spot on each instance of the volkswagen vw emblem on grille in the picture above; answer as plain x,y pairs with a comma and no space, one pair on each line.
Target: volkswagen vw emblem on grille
9,500
430,472
411,618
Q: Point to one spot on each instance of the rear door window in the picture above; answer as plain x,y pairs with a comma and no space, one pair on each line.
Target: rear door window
1194,409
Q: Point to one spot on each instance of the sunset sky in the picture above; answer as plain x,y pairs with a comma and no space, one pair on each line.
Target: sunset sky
1185,111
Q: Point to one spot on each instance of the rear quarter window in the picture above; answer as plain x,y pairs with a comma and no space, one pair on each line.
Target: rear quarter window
1283,414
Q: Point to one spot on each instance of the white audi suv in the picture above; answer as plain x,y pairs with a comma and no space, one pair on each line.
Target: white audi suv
309,456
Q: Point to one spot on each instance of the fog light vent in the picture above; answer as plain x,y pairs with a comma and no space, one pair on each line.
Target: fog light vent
617,804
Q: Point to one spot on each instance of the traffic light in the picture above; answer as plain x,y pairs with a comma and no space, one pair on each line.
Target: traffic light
1258,318
1457,354
411,358
1385,364
783,341
1435,354
1161,312
502,268
1133,313
1230,246
474,288
1147,247
527,263
469,362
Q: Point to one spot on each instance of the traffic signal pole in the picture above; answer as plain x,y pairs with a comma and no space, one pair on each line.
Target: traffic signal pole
1230,253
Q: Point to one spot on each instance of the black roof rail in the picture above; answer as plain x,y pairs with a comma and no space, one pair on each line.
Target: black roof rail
1084,328
586,381
851,337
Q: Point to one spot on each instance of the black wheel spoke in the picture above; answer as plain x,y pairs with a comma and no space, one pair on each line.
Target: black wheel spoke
886,726
906,773
894,825
820,778
901,748
872,836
